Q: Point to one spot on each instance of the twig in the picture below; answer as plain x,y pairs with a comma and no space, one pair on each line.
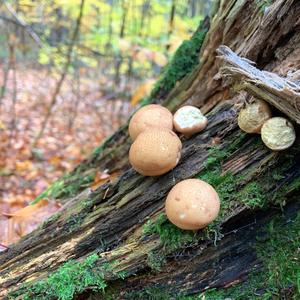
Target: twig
3,246
23,24
5,78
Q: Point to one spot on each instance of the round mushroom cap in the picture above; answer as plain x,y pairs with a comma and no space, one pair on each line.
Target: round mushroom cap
192,204
152,115
189,120
155,151
253,116
278,134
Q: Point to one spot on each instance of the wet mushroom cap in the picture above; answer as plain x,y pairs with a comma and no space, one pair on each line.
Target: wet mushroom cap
278,134
253,116
152,115
155,151
189,120
192,204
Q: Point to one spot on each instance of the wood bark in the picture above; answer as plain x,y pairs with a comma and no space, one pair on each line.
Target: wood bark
109,220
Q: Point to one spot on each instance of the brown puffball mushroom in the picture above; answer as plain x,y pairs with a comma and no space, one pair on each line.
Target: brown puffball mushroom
155,151
278,134
152,115
253,116
189,120
192,204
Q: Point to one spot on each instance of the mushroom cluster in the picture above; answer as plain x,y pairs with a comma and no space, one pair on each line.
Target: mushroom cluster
276,133
156,149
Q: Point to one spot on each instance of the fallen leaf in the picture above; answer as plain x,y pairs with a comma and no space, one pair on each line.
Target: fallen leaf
101,178
142,91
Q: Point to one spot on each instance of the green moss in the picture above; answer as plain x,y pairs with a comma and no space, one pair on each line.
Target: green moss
279,252
252,195
51,219
185,59
155,260
66,186
70,279
51,191
145,101
171,236
149,293
263,4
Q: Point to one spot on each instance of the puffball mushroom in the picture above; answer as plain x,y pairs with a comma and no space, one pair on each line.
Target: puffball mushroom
278,134
189,120
152,115
155,151
253,116
192,204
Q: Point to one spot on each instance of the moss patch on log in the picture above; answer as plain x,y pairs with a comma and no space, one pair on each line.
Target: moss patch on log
70,279
172,238
263,4
185,59
279,252
67,186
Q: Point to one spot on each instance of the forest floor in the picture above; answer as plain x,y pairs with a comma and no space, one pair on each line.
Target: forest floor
82,117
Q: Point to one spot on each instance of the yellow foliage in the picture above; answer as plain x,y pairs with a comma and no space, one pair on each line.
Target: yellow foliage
124,45
143,55
160,59
142,91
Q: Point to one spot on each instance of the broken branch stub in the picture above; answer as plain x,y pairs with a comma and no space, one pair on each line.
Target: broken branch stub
283,93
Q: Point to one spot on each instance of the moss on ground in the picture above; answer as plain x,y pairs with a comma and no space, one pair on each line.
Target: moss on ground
70,279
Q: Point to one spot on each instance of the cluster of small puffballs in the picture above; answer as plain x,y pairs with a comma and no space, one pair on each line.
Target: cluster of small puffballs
191,204
277,133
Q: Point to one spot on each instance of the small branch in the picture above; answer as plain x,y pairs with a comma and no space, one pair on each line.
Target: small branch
23,24
283,93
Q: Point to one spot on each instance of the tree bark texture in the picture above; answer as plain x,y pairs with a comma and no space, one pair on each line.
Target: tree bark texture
111,220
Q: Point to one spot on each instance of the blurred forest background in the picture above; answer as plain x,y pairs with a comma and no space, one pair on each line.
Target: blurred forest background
71,73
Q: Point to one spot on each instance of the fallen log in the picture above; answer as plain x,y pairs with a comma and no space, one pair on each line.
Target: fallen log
118,236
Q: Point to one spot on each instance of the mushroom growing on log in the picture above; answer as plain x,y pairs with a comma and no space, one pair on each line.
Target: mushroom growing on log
118,232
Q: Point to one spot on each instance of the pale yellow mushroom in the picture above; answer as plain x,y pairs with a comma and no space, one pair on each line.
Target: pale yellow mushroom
253,116
278,134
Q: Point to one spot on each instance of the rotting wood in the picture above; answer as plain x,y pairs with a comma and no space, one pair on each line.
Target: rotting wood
93,223
280,92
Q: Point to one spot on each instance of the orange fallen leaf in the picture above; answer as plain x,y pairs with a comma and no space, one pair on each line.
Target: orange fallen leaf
28,210
142,91
101,178
24,220
25,165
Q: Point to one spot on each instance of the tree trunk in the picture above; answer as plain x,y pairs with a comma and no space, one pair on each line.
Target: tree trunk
117,235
